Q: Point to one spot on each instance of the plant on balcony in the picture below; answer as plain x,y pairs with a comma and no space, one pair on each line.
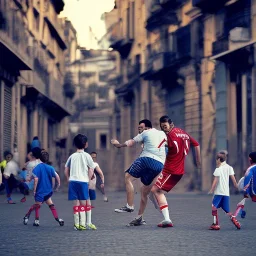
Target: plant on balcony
69,87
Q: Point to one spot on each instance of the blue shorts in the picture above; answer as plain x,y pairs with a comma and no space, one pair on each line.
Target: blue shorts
42,197
92,194
78,190
146,169
221,202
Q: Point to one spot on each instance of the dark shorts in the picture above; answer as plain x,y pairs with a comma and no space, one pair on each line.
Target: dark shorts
78,190
167,181
220,201
146,169
92,194
42,197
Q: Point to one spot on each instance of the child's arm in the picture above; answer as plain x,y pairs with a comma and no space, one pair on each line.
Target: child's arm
233,178
35,184
57,178
214,184
100,172
67,173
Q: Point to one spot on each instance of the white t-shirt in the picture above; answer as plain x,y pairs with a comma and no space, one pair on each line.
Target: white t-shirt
223,172
154,142
79,163
30,165
11,168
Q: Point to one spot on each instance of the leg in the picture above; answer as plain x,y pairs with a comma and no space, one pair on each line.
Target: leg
216,203
144,198
49,202
82,214
89,224
240,206
76,211
7,189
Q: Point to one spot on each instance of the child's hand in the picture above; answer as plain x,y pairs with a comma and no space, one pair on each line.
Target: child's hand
114,142
210,192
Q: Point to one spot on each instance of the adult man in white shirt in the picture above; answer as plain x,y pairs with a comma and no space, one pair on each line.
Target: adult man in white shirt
147,167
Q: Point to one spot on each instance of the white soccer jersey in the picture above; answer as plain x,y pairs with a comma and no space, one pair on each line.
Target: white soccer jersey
223,172
79,164
154,142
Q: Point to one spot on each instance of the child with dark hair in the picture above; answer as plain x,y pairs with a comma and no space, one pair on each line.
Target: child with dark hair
78,171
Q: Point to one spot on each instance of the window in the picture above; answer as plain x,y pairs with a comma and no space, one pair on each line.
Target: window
103,141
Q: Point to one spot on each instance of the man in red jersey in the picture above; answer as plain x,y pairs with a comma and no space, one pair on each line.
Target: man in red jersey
178,147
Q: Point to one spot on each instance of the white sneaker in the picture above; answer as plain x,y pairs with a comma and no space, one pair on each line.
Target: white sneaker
105,199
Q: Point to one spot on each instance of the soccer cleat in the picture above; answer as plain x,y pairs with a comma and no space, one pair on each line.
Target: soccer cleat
165,224
76,227
9,201
61,222
23,199
105,199
91,226
235,222
137,222
125,209
81,227
214,227
243,214
36,223
25,220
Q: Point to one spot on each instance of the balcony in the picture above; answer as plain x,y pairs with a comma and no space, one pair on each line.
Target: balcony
209,6
123,46
220,46
133,71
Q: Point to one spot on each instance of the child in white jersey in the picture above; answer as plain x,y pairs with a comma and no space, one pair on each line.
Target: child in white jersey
77,171
220,189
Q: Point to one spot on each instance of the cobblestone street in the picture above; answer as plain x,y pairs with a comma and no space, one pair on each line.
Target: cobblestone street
190,213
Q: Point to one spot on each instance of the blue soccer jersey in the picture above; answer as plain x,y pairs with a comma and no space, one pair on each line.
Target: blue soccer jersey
44,173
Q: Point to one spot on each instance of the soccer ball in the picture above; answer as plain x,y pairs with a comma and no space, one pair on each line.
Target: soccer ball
241,184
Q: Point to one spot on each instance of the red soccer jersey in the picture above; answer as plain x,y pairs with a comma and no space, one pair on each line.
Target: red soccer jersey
178,147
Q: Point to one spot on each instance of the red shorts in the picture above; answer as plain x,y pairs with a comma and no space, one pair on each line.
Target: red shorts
167,181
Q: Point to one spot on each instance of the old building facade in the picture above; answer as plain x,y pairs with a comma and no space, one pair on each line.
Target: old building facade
192,60
39,106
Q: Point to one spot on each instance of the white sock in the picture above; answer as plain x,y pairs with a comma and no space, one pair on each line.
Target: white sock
82,216
89,217
165,212
131,207
76,218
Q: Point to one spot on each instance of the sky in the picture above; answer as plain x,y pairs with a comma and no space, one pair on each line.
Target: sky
84,14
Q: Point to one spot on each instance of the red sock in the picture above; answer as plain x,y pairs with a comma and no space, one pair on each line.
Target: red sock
215,217
37,208
31,209
76,209
54,211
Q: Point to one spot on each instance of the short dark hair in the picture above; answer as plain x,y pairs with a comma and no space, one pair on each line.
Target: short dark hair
35,138
80,141
221,156
36,152
93,152
44,156
6,153
147,123
252,155
165,119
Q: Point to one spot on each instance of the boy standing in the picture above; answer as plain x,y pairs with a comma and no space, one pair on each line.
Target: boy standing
43,175
220,188
78,173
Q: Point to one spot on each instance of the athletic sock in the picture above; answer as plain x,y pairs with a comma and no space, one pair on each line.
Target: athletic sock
31,209
54,211
82,215
88,215
215,217
165,212
37,208
76,215
130,207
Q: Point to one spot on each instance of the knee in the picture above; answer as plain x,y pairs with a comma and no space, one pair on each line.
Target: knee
51,206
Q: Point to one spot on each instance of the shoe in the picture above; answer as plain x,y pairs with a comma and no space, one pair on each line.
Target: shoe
23,199
152,198
214,227
165,224
235,222
25,220
36,223
105,199
91,226
61,222
81,227
76,227
136,222
124,209
9,201
243,214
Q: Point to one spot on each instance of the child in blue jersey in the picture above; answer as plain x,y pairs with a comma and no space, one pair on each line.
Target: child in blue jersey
78,171
43,189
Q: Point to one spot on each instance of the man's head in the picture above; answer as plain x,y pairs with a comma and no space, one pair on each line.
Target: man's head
220,158
94,156
35,138
8,156
144,124
36,152
166,123
44,156
30,156
80,141
252,157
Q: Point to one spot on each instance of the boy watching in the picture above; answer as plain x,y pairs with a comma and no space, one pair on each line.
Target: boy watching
78,173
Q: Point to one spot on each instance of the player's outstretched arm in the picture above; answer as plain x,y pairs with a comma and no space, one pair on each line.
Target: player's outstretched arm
117,144
100,172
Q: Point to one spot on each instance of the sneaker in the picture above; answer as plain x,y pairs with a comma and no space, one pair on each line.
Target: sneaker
23,199
165,224
125,209
76,227
214,227
136,222
9,201
36,223
91,226
81,228
61,222
235,222
105,198
25,220
243,214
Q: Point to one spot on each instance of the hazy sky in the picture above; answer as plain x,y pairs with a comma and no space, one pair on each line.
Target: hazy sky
85,13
